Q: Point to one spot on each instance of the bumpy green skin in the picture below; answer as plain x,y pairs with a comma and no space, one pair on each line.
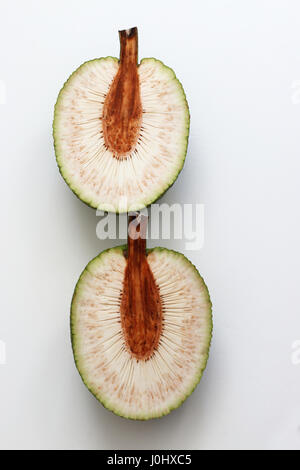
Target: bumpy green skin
198,375
77,190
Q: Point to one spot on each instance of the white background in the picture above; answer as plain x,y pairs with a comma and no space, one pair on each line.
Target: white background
239,63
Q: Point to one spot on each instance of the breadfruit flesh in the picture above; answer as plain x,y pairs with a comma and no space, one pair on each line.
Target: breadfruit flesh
123,382
121,131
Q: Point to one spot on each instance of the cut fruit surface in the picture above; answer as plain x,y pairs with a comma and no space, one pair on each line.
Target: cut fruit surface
121,129
161,373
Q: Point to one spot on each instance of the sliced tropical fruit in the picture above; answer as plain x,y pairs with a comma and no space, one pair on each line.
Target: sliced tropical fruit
141,328
121,129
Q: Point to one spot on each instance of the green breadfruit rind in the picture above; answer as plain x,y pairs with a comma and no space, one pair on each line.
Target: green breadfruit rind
59,159
74,338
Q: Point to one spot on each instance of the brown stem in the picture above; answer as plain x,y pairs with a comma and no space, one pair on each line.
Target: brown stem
122,109
137,232
141,308
129,45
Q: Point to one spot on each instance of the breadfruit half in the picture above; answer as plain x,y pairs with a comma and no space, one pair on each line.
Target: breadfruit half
121,129
141,328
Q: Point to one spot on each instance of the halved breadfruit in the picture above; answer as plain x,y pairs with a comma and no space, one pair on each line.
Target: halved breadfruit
121,129
141,330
